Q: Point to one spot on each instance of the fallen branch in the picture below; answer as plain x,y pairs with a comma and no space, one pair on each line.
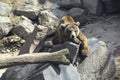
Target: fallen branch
55,57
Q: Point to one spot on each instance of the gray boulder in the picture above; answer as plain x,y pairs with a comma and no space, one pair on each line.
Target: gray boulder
50,18
111,6
94,6
46,4
78,14
43,4
4,8
5,26
99,65
67,4
58,13
24,27
66,73
71,46
32,2
33,40
38,72
28,11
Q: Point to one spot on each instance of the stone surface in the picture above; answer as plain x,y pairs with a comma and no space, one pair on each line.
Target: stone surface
94,6
28,11
67,4
111,6
33,39
5,26
58,13
78,14
99,65
107,30
53,72
47,4
71,46
32,2
66,73
4,8
2,71
50,18
24,27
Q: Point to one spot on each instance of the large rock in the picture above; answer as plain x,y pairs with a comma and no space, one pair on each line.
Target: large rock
4,8
2,71
24,27
50,18
99,65
28,11
5,26
71,46
78,14
94,6
33,39
46,4
32,2
42,72
111,6
43,4
67,4
58,13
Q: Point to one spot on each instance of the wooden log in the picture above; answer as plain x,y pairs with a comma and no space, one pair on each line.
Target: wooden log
55,57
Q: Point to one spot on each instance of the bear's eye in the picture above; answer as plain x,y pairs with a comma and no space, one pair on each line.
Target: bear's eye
69,31
75,30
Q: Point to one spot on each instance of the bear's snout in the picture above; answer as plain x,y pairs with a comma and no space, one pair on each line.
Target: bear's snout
73,35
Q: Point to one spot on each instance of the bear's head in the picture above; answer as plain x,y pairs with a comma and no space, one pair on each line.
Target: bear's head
70,28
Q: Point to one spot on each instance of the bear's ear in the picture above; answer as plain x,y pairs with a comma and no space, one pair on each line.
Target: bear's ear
77,23
63,25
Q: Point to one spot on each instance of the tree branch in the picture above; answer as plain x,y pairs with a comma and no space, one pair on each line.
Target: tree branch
55,57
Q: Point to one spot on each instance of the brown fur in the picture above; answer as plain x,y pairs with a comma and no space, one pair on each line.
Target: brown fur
63,33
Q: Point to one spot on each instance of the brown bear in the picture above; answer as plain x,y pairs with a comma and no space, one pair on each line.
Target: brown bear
68,30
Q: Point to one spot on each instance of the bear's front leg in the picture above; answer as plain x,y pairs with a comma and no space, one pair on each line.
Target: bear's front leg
84,42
